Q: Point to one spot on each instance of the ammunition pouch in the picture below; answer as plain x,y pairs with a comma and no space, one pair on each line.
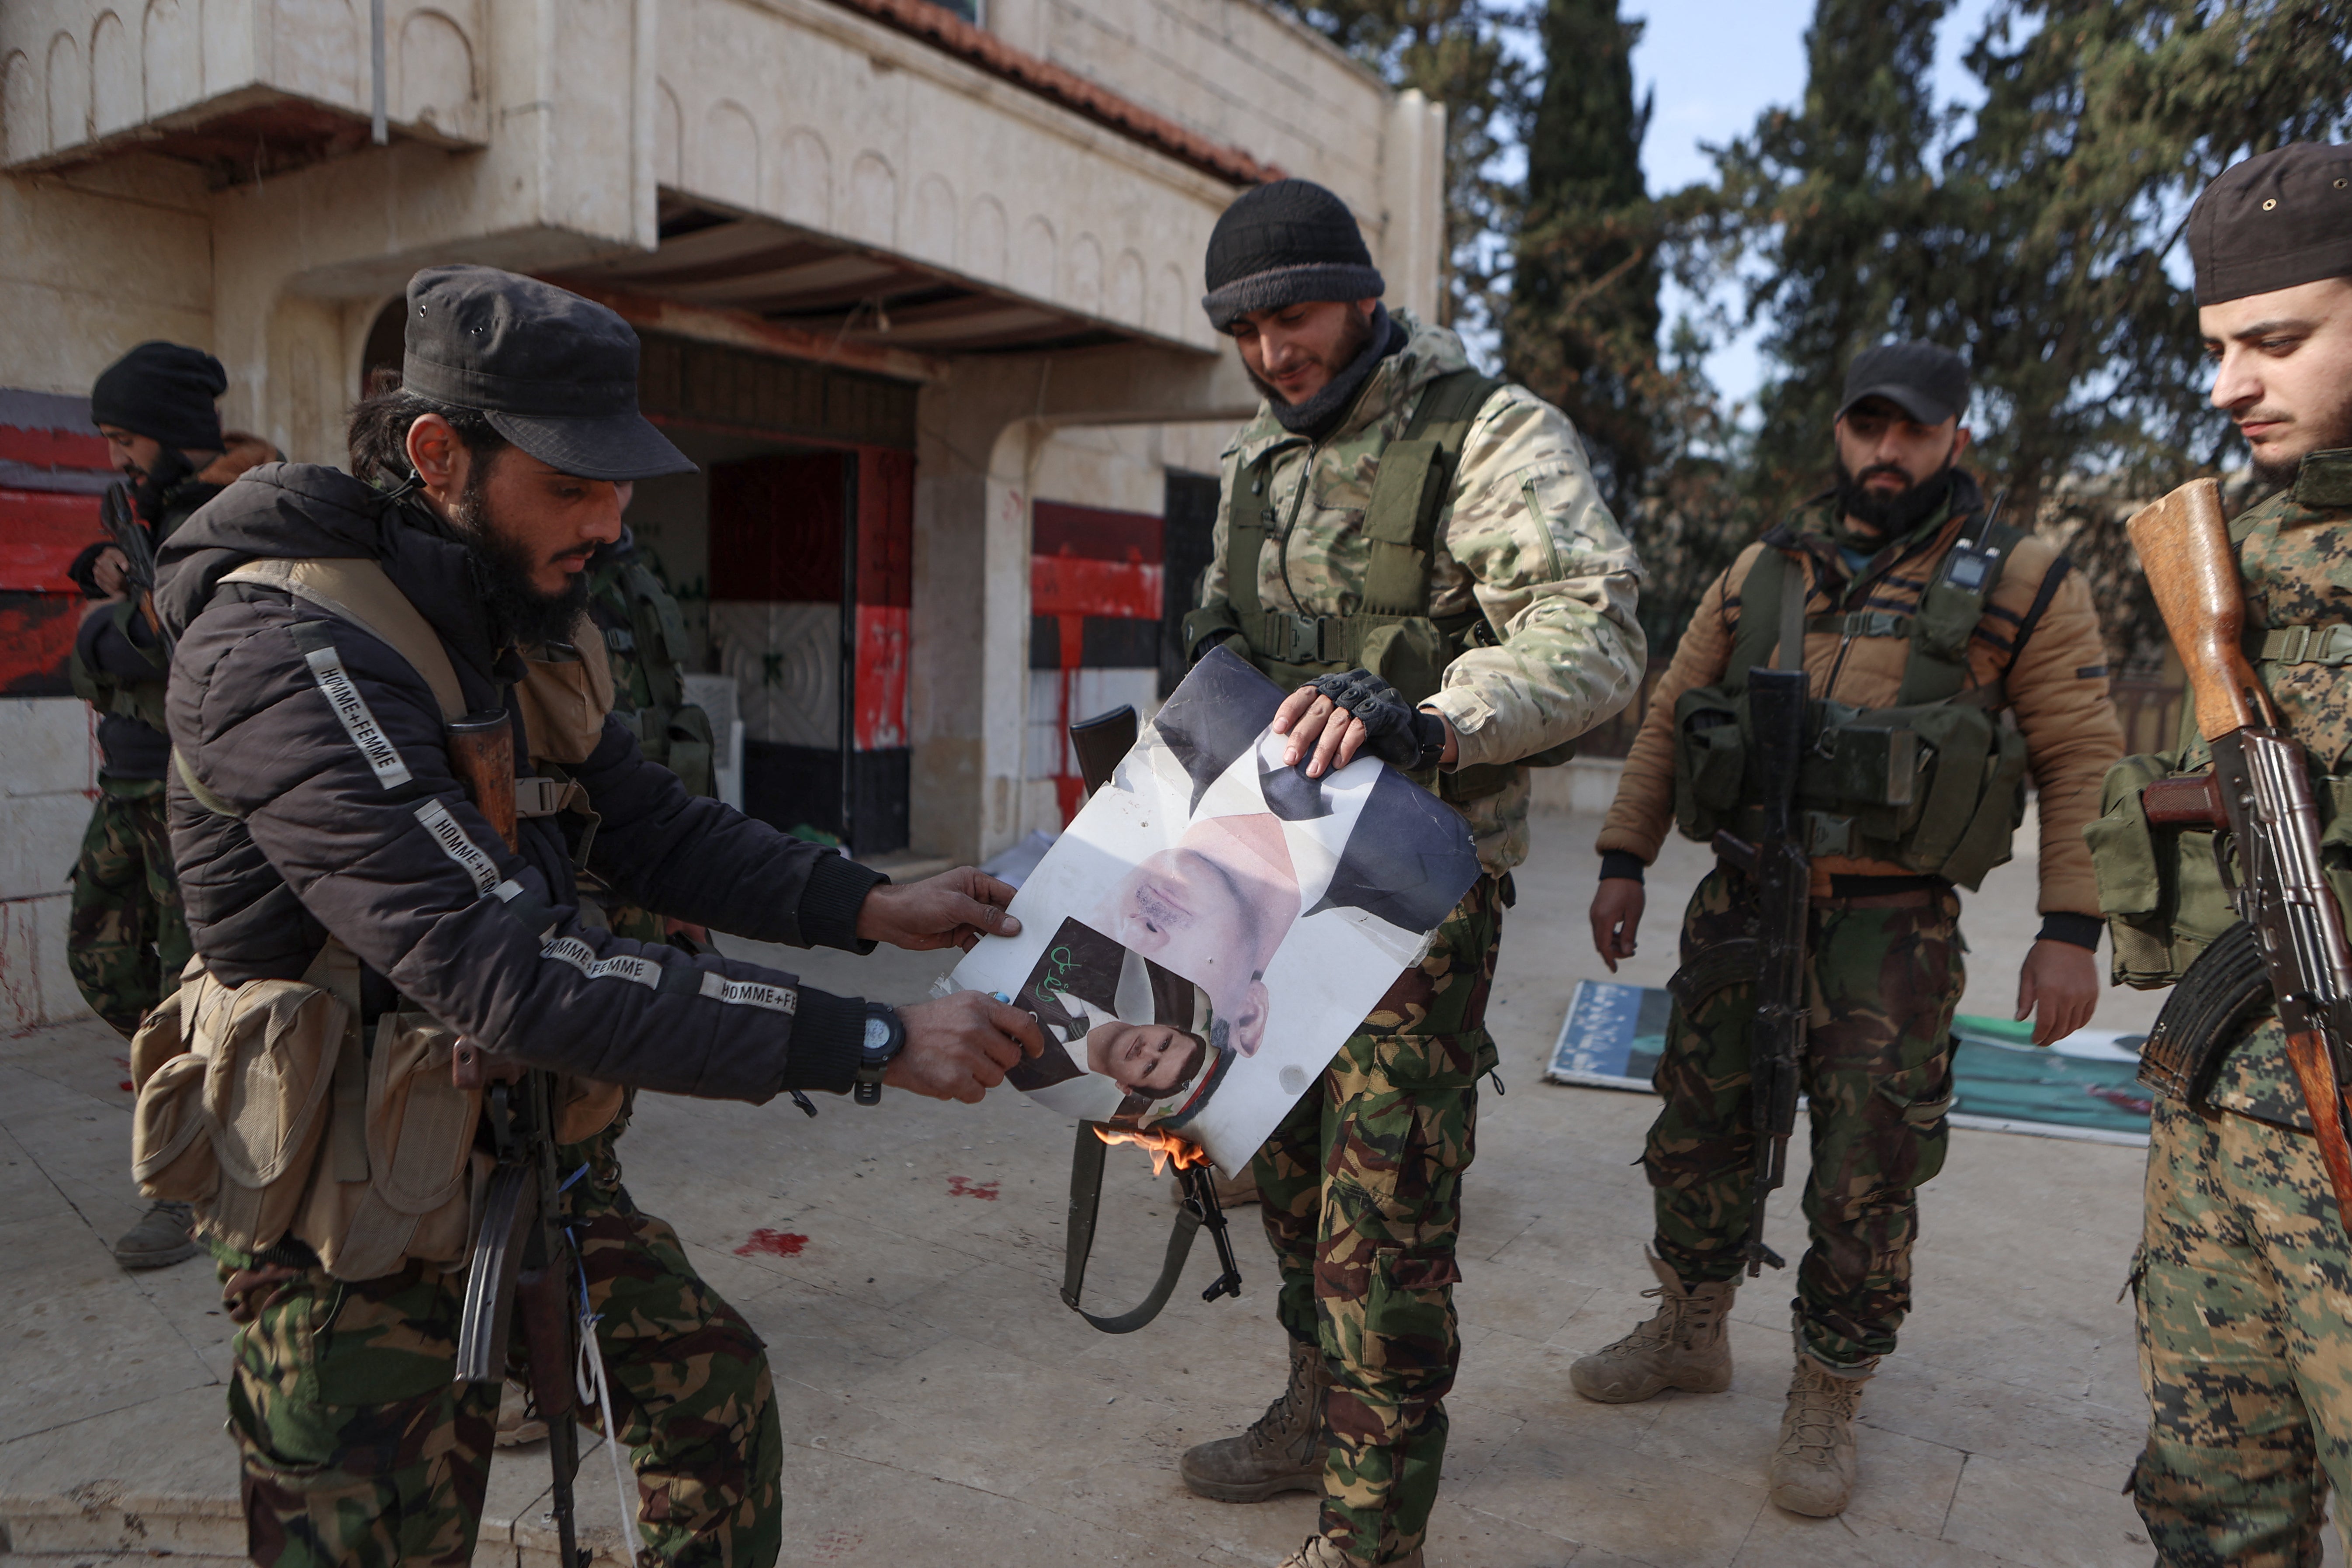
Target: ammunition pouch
260,1106
2160,886
1938,788
1935,784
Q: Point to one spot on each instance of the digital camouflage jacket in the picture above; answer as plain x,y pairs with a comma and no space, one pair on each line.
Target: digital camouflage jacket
1524,536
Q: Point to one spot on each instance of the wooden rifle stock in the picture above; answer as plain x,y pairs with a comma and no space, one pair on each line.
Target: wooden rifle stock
481,753
2184,547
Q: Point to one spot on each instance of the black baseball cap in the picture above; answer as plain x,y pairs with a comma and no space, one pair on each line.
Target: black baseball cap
2276,220
554,373
1926,381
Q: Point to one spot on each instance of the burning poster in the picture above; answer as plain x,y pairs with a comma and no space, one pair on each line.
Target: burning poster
1212,925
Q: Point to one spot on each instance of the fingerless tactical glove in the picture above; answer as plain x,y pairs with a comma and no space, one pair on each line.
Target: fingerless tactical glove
1395,732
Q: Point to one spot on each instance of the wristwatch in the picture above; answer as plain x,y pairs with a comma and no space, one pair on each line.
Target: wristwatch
885,1038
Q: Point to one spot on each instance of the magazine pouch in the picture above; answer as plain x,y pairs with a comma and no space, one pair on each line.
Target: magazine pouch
398,1172
234,1090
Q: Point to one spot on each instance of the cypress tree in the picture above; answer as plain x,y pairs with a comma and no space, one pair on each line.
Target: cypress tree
1834,203
1583,325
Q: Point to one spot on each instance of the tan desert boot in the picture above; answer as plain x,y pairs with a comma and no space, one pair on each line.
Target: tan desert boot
1682,1346
1281,1452
1320,1554
1813,1469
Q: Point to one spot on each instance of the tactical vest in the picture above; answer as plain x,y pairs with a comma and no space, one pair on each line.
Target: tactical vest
267,1106
669,729
1935,784
1392,633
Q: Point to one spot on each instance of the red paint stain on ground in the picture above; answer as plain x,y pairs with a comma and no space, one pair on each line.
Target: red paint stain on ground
960,1188
124,1063
776,1243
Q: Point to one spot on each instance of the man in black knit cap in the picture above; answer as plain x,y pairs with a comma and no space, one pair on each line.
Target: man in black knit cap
1416,552
126,940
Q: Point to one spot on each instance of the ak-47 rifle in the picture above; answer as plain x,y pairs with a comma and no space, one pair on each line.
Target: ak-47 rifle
137,547
1778,863
522,1256
2257,798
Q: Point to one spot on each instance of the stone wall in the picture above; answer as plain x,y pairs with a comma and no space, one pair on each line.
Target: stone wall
45,790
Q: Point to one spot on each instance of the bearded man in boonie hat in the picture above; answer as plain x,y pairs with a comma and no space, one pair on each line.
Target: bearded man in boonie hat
2245,1351
1417,554
329,625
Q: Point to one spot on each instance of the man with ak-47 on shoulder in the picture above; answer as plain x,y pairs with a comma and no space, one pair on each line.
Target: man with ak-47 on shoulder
395,971
2245,1350
1418,553
1920,618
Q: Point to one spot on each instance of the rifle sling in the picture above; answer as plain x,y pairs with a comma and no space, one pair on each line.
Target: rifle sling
1086,1197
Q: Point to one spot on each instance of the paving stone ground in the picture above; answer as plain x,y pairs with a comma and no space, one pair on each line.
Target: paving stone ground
941,1406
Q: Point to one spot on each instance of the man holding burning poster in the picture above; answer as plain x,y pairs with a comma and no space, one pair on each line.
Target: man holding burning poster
1417,555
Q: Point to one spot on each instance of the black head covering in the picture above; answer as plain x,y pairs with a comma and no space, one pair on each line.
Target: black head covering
1283,244
165,391
556,374
2278,219
1926,381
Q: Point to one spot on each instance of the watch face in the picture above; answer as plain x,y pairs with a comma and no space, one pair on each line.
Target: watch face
877,1034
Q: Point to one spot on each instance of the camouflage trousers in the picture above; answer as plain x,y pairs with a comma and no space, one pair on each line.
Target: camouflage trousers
126,941
358,1448
2245,1351
1361,1184
1883,976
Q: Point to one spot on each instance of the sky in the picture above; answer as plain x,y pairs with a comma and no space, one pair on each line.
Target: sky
1716,66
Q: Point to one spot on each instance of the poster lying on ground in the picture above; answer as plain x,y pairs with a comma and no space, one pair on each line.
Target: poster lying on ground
1212,925
2085,1087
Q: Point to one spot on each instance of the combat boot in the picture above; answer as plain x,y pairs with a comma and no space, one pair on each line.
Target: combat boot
1320,1554
163,1236
1813,1469
1282,1449
1682,1346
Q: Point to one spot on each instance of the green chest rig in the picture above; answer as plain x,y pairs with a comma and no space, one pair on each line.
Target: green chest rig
111,693
1392,632
1935,784
649,655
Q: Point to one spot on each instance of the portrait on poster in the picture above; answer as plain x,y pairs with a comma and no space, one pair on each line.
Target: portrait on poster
1213,924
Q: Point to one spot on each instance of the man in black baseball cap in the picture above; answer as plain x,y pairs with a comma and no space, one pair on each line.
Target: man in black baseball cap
329,627
1904,594
2244,1348
1898,439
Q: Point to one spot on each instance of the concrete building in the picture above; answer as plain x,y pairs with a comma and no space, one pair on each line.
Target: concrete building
920,292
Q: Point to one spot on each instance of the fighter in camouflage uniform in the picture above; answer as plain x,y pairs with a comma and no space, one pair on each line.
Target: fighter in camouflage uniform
1882,941
315,764
126,938
2243,1271
1468,614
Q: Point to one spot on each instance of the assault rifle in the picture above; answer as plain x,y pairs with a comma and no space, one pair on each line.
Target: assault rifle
137,547
1782,872
523,1258
2257,798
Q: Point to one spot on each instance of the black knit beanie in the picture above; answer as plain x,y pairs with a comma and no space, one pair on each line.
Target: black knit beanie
1283,244
164,391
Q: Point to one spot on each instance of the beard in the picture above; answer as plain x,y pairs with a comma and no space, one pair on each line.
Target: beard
1892,514
2334,430
1343,353
521,612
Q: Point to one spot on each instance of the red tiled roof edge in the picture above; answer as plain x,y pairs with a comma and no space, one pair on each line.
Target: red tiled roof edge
938,25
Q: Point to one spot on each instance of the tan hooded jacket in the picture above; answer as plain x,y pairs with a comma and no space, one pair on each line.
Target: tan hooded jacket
2056,687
